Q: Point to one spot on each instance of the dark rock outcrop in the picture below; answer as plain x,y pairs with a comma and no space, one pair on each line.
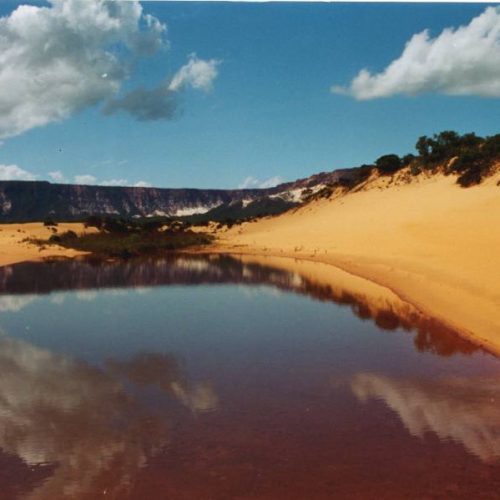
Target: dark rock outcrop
22,201
34,200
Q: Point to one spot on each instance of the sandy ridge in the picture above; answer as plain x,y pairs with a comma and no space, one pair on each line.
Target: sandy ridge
14,248
432,243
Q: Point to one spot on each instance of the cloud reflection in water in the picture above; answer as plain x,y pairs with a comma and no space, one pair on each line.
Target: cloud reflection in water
81,419
464,410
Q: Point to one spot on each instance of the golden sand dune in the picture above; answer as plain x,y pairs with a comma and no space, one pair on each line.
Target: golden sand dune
14,247
432,243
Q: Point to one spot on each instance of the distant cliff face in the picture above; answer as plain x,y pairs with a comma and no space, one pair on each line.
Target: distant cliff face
39,200
32,200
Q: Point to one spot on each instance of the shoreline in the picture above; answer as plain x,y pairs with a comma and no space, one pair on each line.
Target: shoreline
14,250
34,254
433,244
486,344
377,294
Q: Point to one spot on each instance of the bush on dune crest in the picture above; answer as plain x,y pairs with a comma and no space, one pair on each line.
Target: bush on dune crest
470,156
389,164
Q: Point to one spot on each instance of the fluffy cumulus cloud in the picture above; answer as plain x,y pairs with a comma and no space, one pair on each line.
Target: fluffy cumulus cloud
114,182
15,173
142,184
253,183
72,54
84,179
56,176
161,102
462,61
87,179
124,182
197,73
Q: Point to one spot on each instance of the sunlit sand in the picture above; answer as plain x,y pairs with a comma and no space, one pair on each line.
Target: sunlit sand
431,242
14,246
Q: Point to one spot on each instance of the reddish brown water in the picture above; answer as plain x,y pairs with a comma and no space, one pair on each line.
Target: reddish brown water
226,381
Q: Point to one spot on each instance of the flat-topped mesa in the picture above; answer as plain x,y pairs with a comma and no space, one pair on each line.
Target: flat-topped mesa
469,158
38,200
22,201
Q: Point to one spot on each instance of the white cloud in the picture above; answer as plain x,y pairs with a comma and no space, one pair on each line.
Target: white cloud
462,61
197,73
57,176
253,183
161,102
60,59
158,103
85,179
249,183
15,173
123,182
271,182
57,60
114,182
142,184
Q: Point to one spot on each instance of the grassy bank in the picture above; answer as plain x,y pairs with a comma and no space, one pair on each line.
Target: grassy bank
126,238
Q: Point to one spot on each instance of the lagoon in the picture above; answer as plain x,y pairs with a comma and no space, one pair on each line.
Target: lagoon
235,377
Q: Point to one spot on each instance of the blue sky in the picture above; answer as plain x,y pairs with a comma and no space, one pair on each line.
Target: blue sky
268,110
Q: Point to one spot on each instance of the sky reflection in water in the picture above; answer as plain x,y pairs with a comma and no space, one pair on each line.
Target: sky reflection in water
249,378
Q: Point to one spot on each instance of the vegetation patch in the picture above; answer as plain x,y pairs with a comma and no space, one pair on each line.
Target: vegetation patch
470,156
119,237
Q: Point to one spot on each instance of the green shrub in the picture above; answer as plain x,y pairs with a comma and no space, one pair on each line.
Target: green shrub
491,147
470,177
68,236
93,221
415,169
389,164
407,159
55,239
139,240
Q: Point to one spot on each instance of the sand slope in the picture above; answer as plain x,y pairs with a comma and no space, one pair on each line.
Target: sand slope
433,243
14,249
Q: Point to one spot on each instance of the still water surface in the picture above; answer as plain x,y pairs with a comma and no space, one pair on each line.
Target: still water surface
217,378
